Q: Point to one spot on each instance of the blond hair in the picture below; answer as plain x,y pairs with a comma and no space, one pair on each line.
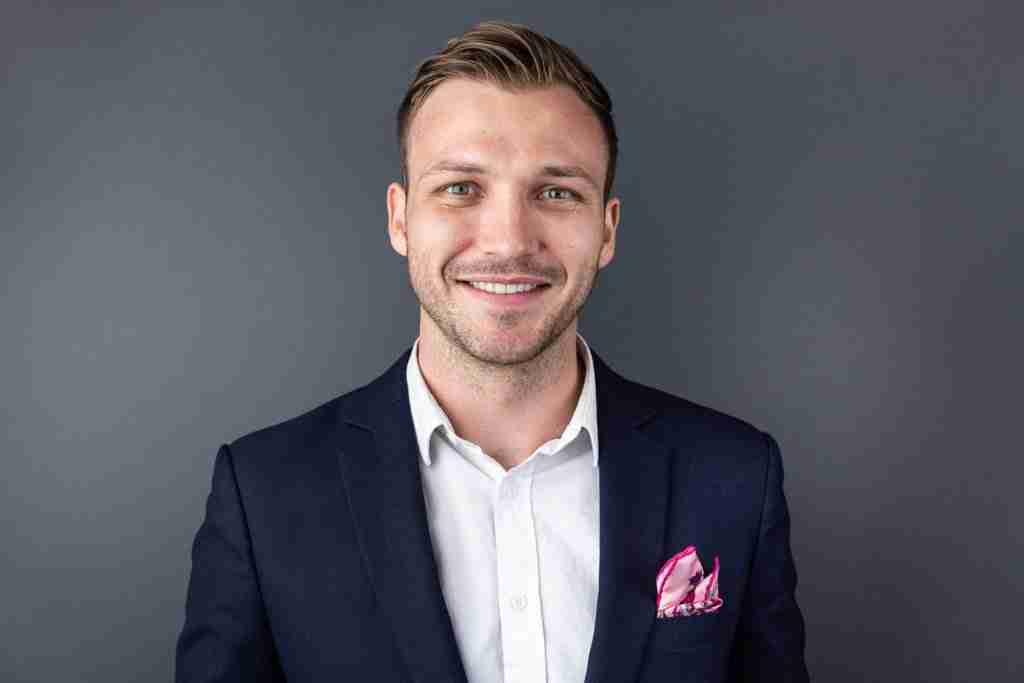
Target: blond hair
514,57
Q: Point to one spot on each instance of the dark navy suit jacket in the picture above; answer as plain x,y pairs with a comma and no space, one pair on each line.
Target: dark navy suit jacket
314,561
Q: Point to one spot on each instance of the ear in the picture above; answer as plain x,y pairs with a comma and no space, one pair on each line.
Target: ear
611,224
396,219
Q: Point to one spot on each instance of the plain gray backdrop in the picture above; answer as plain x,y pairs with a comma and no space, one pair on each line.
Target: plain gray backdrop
821,234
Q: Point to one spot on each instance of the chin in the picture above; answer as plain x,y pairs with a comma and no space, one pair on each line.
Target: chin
509,349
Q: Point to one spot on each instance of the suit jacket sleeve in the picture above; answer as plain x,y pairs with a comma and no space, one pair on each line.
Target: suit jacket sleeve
770,640
226,636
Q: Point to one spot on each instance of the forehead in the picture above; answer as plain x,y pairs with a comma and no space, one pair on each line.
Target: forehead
482,123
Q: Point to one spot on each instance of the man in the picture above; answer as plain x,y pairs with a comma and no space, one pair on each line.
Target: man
498,504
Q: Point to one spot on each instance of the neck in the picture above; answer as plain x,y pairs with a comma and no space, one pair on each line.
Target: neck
507,410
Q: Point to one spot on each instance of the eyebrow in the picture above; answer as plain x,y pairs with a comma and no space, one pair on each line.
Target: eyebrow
548,170
570,172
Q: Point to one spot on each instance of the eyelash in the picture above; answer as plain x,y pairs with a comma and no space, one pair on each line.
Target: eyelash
573,194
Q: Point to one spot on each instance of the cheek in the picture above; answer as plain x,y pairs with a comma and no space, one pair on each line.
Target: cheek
579,252
425,232
432,245
433,225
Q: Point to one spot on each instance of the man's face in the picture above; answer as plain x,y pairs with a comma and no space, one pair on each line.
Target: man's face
503,185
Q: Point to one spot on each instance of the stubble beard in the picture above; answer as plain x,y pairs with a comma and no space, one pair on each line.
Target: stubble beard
466,346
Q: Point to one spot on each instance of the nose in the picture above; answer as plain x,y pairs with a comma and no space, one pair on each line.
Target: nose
506,227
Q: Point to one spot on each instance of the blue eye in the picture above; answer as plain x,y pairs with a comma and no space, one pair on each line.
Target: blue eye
460,194
568,194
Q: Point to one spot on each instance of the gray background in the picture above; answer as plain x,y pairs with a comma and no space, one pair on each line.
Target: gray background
821,233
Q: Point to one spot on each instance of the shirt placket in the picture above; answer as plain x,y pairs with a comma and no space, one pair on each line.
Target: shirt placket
519,608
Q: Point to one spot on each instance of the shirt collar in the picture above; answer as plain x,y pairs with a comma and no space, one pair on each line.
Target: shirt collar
427,414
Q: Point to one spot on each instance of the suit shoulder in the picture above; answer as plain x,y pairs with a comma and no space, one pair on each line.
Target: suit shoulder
296,434
681,420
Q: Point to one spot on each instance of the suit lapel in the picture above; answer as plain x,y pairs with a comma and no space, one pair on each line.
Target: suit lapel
380,468
635,478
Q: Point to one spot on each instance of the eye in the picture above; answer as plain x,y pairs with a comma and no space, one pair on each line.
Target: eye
460,189
566,193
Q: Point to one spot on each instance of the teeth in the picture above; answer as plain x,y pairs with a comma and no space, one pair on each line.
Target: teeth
498,288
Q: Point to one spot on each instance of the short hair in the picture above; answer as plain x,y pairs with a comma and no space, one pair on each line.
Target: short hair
513,57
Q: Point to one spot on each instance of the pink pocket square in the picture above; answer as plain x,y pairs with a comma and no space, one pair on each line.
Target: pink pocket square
683,590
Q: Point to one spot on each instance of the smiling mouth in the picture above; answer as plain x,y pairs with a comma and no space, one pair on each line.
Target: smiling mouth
500,294
502,288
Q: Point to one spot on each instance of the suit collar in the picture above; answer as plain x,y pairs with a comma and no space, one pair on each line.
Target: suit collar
382,482
428,415
625,404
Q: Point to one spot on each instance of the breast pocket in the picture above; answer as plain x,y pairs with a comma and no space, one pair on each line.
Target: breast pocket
691,633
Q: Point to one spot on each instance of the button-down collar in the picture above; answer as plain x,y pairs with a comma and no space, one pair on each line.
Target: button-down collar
427,414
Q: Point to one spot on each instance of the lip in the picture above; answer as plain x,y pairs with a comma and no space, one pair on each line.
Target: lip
519,299
514,280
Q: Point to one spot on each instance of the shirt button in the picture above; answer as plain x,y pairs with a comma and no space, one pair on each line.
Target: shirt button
510,491
517,602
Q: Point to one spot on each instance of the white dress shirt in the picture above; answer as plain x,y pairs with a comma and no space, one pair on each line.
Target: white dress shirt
517,550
